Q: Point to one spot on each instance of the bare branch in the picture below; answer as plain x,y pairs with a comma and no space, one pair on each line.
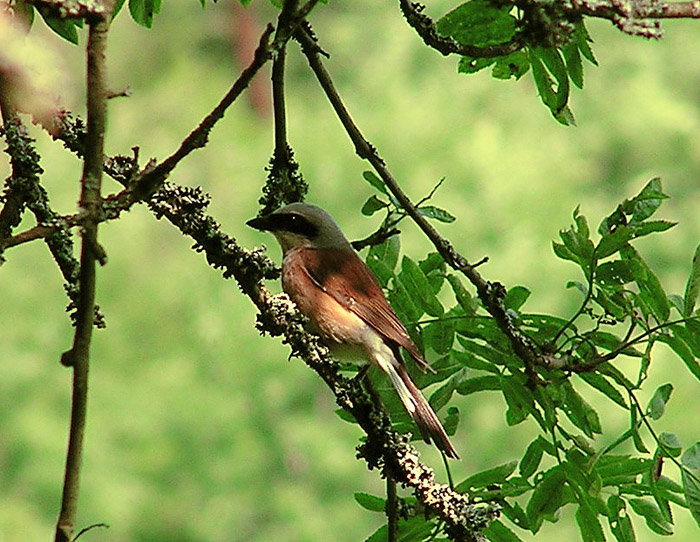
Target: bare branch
79,355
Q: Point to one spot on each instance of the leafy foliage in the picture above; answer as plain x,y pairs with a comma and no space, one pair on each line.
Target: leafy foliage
565,465
553,65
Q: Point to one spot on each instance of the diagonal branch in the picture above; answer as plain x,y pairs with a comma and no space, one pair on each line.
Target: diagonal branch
384,448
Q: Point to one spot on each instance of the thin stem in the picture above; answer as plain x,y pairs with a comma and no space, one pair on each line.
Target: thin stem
392,510
586,299
79,355
655,436
278,68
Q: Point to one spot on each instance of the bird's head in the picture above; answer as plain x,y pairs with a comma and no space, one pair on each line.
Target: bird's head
301,225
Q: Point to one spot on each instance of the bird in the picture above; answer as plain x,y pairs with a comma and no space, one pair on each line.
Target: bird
345,304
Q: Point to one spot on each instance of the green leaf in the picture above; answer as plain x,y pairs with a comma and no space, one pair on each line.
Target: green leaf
583,39
478,22
652,515
563,253
670,444
514,65
683,351
547,498
404,302
451,421
690,475
516,297
692,287
546,61
691,457
636,437
375,181
430,211
495,475
470,65
519,400
612,242
573,63
657,403
372,205
588,524
650,288
645,204
462,295
615,273
498,532
532,458
581,414
613,468
382,258
599,382
418,287
63,27
479,383
619,520
650,226
440,335
143,11
577,241
370,502
345,415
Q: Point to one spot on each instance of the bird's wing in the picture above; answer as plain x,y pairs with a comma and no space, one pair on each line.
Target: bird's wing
346,278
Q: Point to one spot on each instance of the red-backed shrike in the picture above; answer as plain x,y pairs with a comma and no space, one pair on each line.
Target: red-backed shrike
334,288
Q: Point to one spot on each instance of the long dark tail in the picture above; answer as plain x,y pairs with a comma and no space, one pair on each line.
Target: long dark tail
422,413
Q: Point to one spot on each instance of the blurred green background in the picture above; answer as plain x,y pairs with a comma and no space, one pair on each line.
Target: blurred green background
199,429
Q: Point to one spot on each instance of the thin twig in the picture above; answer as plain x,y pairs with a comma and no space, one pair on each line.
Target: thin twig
392,510
79,355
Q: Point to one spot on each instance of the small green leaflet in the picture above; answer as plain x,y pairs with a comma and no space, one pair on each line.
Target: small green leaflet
66,28
143,11
479,23
588,524
652,515
690,475
372,205
370,502
692,287
657,403
498,532
430,211
619,520
375,181
495,475
418,287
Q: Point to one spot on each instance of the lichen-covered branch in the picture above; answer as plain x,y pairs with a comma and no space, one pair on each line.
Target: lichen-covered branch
634,17
384,448
72,9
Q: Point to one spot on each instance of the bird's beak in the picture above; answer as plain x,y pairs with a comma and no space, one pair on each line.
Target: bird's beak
261,223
